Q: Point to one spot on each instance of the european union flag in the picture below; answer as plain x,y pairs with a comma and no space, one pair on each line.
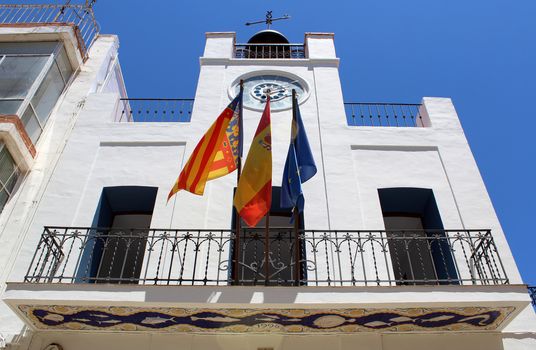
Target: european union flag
299,166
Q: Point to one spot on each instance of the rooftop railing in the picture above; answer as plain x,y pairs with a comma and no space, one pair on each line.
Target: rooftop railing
148,110
269,51
81,16
357,113
280,257
383,114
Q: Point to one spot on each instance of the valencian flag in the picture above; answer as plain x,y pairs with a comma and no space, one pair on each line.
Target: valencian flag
299,166
216,154
253,195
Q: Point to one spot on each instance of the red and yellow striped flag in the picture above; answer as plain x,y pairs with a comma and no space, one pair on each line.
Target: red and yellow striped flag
253,195
216,153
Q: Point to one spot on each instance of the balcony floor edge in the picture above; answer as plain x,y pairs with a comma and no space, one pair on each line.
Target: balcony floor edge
238,309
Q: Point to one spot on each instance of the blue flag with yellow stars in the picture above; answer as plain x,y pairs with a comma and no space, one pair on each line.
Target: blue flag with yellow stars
299,166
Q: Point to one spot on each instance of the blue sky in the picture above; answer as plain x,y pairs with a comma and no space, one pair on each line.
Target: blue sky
479,53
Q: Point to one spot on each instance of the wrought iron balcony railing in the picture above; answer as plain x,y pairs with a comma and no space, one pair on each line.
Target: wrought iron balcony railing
155,109
282,257
383,114
80,16
269,51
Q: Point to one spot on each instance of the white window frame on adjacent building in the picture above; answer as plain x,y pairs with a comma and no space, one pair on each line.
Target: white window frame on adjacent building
9,175
50,82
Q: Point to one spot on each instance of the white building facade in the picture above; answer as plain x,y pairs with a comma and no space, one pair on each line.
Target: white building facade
398,246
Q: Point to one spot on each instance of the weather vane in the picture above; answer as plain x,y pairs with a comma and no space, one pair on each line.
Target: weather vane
269,19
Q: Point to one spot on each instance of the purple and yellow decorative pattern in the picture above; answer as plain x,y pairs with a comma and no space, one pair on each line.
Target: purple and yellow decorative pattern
59,317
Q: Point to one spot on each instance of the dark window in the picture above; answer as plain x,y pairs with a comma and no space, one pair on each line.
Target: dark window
122,259
271,253
420,252
116,247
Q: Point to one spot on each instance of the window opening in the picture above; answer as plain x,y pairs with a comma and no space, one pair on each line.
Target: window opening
32,78
419,249
122,257
9,175
270,254
115,248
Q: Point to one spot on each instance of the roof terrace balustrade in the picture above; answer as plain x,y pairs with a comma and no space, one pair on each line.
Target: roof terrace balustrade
81,17
164,110
269,51
384,114
357,113
286,258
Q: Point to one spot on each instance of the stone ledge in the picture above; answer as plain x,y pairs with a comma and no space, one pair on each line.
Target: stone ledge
17,140
67,33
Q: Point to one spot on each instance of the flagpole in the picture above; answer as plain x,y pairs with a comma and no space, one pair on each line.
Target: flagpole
267,250
297,245
241,135
238,173
267,233
295,210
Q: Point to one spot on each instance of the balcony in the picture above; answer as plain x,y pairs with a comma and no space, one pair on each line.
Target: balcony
283,281
80,17
269,51
283,257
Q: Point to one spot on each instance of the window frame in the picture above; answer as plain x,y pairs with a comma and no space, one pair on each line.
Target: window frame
27,101
16,172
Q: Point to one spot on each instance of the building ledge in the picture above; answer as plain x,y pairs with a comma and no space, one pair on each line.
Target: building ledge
237,309
220,34
68,34
19,144
320,34
320,62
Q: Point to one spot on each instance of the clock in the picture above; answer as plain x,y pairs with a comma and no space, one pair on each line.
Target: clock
256,89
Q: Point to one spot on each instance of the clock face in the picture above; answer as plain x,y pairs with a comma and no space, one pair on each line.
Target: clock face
257,88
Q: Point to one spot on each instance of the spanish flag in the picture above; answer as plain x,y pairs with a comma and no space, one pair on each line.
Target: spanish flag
253,195
216,154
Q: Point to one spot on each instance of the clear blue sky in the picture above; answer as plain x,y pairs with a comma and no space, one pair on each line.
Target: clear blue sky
481,53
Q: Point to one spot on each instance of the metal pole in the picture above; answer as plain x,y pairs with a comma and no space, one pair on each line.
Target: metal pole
238,173
267,228
295,211
241,136
267,250
297,246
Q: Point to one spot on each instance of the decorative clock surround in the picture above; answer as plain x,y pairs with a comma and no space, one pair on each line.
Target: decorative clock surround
278,84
